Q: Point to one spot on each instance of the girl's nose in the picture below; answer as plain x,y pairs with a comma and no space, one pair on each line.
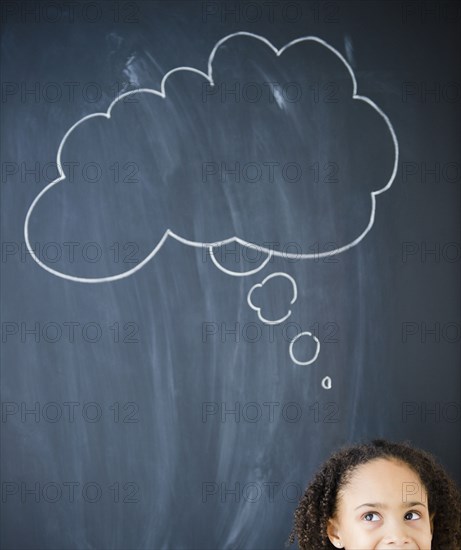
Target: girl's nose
397,539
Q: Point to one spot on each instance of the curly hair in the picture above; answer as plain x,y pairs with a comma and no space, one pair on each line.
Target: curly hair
319,502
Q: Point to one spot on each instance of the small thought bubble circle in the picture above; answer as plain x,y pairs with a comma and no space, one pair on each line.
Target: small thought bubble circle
260,285
317,350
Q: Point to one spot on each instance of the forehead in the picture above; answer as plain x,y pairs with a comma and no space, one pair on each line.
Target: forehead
383,480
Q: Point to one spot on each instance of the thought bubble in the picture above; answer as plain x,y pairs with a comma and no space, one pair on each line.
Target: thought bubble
271,148
310,360
250,297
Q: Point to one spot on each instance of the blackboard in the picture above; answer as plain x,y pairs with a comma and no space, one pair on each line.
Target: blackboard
230,245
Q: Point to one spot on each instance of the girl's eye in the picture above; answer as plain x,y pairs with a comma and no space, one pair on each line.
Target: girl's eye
416,513
370,514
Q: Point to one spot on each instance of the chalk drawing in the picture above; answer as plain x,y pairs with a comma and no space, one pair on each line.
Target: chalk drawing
260,285
169,233
317,350
238,273
326,382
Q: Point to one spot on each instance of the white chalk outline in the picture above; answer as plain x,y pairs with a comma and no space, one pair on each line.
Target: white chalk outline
317,351
237,273
168,232
325,382
260,285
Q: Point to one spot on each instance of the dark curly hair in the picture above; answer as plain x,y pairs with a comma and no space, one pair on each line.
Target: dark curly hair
319,501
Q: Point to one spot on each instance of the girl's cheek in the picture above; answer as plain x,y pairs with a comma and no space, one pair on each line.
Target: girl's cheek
369,525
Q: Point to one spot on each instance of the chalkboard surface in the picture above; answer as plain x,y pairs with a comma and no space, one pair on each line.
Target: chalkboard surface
230,245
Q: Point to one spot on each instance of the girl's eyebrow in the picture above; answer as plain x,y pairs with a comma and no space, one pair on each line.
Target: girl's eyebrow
384,507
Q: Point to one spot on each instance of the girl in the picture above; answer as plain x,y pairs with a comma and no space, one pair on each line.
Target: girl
379,496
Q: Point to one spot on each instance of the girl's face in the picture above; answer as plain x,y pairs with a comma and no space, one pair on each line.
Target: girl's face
383,507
